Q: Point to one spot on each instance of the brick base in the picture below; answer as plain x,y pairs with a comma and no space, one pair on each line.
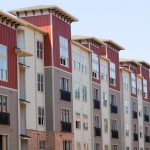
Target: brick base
53,141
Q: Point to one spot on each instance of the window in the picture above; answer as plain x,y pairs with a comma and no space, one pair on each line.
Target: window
79,62
105,99
40,82
106,147
66,145
145,88
86,146
42,145
97,121
84,93
140,110
104,73
95,94
63,51
65,115
3,62
134,107
139,88
114,147
73,60
64,84
127,129
3,142
77,90
39,50
40,115
85,122
146,131
146,148
106,125
95,67
78,146
126,106
78,120
125,83
97,145
145,110
112,73
3,103
84,65
114,125
134,128
113,100
133,79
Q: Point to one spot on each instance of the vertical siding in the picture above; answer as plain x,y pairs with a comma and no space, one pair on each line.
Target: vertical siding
145,74
9,39
114,57
60,28
44,23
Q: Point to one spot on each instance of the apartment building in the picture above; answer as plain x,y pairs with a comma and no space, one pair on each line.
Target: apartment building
59,91
81,80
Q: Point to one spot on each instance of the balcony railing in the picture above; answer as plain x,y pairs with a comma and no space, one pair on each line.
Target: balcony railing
135,114
146,118
4,118
135,136
96,104
97,131
65,95
147,139
114,109
66,126
114,134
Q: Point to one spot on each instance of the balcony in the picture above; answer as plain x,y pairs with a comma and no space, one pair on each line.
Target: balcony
147,139
146,118
97,131
65,95
135,136
114,134
65,126
114,109
4,118
135,114
96,104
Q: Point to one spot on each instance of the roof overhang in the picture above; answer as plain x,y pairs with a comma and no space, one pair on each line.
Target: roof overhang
50,8
81,46
129,61
114,45
88,38
11,19
144,63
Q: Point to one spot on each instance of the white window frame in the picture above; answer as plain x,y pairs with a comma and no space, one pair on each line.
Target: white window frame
65,115
64,84
40,50
84,93
105,97
125,83
133,83
42,145
64,51
95,66
73,60
112,73
77,90
104,73
40,82
66,145
3,60
145,91
41,116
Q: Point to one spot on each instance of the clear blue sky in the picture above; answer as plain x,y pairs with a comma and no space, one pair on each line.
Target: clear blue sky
127,22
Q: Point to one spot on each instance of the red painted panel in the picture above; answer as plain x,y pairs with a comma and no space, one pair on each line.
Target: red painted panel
138,70
145,74
60,28
8,38
114,57
86,45
103,51
44,23
133,69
